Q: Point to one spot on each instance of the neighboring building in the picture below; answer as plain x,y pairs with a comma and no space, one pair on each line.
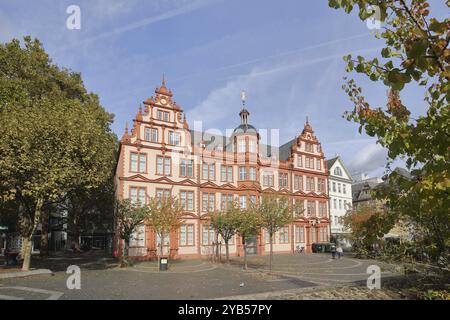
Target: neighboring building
361,193
340,193
361,189
163,157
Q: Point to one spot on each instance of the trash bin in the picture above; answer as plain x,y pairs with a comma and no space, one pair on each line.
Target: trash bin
163,263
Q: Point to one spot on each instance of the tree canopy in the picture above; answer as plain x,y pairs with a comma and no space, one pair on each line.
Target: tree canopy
416,54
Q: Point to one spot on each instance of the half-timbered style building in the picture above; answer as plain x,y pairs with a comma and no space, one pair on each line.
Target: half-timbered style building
162,156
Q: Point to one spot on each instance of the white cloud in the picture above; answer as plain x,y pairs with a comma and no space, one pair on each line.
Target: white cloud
369,158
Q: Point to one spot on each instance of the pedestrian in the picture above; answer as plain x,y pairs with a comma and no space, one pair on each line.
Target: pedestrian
340,252
333,251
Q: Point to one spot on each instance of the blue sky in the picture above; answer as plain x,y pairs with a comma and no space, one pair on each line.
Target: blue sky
286,54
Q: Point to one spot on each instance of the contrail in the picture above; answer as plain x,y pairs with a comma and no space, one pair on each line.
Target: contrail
196,5
278,55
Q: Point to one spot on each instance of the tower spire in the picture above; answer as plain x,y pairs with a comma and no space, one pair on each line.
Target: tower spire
244,112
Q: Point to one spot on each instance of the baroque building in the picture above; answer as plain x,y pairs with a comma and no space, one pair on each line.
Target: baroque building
162,156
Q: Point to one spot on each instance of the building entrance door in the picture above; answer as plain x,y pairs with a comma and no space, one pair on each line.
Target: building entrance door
251,244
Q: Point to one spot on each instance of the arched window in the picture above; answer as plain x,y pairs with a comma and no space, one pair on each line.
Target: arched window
338,171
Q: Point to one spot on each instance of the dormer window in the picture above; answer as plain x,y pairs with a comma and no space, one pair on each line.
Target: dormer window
338,171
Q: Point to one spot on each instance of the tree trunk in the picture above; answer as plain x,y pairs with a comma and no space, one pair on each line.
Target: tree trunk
44,233
161,244
271,253
245,253
227,251
217,246
26,252
126,245
27,241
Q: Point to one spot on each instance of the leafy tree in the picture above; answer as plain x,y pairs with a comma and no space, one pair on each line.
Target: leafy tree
54,137
225,225
274,213
248,224
128,217
89,210
416,53
369,222
164,215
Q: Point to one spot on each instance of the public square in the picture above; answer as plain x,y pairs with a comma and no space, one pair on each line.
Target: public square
101,278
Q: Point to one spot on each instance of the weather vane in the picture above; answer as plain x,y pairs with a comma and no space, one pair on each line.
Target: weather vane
243,97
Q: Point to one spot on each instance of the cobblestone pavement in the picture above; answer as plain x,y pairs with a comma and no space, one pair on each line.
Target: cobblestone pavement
319,268
201,279
322,293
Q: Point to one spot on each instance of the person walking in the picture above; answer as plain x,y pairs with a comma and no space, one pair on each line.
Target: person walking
340,252
333,251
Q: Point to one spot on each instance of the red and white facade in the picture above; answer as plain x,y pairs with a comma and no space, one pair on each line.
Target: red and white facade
162,157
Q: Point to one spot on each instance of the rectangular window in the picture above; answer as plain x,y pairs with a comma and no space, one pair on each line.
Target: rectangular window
163,165
311,208
134,162
187,200
323,234
251,146
241,145
283,180
230,173
299,234
151,134
313,235
223,173
138,236
253,174
212,171
162,194
162,115
207,235
299,207
242,173
187,168
319,164
208,202
321,185
299,161
344,188
335,203
298,182
322,209
283,235
225,201
138,162
334,186
268,179
138,195
174,138
310,184
253,199
187,235
243,202
340,204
